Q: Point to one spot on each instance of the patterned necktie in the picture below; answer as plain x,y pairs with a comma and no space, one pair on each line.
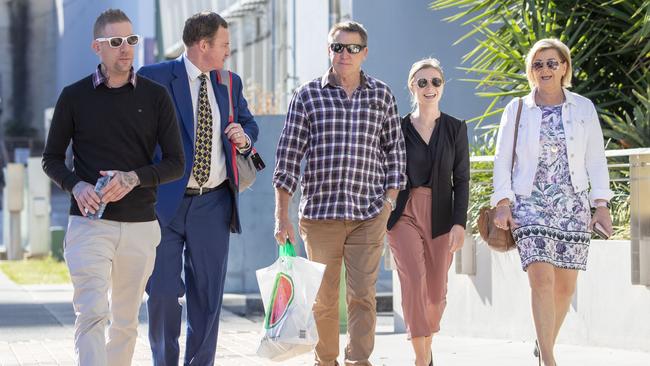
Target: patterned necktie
203,140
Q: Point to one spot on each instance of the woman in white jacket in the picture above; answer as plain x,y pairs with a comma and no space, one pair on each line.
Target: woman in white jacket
545,198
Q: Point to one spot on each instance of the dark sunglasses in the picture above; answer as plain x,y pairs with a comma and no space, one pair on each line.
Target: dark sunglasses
116,42
352,48
422,83
551,64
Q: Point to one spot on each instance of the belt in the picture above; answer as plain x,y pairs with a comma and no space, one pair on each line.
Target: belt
203,190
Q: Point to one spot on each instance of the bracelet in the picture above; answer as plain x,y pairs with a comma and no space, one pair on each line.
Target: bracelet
392,202
245,148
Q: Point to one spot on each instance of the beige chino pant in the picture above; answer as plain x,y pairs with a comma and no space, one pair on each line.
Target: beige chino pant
110,263
358,244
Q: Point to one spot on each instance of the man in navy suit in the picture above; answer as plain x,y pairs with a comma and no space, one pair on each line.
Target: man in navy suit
198,212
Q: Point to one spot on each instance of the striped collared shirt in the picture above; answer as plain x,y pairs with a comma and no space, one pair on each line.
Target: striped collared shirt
353,147
99,77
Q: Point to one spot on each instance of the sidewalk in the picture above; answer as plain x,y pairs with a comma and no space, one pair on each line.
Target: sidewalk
36,329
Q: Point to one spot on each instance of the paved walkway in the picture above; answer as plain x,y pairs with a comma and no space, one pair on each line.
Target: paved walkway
36,329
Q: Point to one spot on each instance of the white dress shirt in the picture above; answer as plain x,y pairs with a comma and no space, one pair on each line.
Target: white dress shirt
585,149
218,162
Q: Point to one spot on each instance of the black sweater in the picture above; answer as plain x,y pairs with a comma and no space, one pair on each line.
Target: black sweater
449,176
115,129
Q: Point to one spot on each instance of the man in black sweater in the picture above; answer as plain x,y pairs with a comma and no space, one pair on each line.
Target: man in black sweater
116,121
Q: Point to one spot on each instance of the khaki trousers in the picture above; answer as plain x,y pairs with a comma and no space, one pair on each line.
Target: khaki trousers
358,244
110,263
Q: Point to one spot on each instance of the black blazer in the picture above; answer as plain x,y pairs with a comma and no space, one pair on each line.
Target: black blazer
449,177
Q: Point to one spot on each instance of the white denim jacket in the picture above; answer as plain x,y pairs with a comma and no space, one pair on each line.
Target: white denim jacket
585,149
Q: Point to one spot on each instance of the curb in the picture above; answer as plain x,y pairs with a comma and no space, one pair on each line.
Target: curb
251,303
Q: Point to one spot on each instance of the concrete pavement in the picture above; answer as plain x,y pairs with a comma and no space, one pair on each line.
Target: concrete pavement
36,329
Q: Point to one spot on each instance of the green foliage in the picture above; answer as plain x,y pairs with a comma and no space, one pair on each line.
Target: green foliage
620,210
36,271
631,131
610,48
604,38
480,186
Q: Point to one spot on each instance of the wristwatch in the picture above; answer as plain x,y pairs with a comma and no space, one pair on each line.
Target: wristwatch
393,204
602,204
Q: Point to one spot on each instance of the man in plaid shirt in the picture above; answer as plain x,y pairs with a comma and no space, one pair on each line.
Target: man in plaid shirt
345,124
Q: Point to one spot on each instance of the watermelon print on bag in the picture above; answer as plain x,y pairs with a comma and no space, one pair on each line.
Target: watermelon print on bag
288,288
281,299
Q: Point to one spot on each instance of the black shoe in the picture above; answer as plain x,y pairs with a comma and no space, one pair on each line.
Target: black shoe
536,350
431,362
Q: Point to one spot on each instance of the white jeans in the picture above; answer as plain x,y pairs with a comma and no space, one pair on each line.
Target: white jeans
110,263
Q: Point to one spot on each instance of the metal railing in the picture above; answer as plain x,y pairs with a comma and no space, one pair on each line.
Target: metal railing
608,154
636,172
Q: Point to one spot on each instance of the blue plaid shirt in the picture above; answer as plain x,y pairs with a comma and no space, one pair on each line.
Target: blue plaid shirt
353,147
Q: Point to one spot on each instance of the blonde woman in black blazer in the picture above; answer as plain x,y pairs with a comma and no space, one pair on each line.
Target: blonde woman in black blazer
428,223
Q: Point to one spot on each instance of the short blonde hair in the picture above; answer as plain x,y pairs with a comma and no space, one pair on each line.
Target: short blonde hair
426,63
545,44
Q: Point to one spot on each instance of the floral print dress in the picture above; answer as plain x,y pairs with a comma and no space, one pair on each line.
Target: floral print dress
552,223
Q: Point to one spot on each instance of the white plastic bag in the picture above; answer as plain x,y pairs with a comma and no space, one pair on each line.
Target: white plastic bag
288,288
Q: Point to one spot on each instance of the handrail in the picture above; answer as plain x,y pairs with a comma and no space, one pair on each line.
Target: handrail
629,205
608,153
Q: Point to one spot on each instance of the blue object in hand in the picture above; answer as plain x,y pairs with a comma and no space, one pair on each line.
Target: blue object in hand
101,183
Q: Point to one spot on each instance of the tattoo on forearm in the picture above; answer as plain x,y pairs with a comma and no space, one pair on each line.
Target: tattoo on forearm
128,180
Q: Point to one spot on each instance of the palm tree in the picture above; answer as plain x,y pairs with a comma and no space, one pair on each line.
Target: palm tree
608,41
611,56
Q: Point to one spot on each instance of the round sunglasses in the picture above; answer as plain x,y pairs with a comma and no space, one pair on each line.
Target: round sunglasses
116,42
352,48
422,83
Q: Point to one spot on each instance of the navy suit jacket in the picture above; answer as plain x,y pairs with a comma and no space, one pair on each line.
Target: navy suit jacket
173,76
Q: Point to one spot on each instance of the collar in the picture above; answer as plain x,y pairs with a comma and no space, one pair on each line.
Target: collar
99,77
330,79
193,72
529,100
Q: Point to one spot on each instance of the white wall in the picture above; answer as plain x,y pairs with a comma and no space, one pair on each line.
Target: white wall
312,25
607,310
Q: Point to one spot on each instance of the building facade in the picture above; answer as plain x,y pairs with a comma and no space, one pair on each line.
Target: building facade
277,45
48,44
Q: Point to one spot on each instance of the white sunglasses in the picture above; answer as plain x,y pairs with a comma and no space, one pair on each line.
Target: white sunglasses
116,42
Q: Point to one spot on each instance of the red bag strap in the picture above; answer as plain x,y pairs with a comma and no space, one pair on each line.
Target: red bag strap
225,78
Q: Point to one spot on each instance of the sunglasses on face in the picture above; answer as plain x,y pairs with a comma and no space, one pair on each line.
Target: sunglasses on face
352,48
551,64
116,42
422,83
